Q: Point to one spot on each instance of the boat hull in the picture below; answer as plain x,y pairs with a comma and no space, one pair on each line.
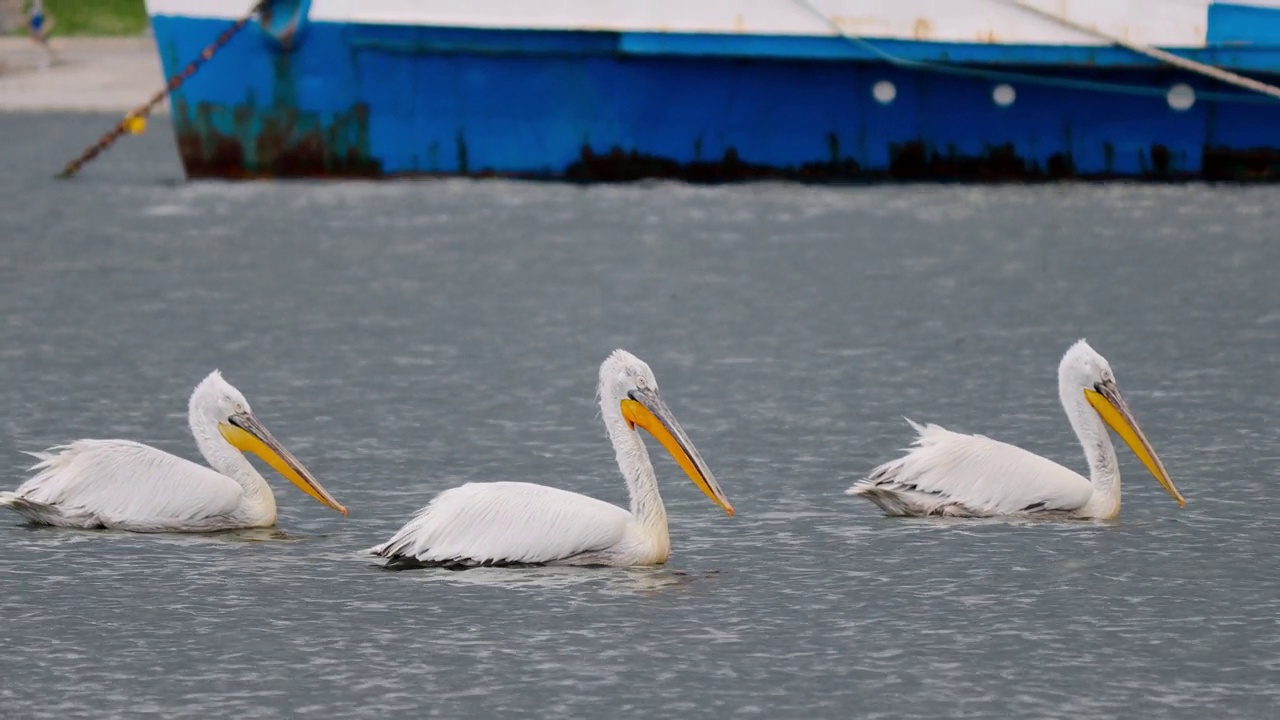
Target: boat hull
335,100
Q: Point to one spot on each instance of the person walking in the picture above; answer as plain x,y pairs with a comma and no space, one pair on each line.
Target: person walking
38,26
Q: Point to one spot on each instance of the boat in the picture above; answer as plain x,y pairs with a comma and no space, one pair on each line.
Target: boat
725,90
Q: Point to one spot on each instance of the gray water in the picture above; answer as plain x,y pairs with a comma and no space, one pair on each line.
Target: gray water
403,338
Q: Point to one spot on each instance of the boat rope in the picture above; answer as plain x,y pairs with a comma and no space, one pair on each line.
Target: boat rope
1155,53
135,121
1016,77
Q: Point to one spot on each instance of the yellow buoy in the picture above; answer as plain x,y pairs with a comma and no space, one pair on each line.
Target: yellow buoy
135,125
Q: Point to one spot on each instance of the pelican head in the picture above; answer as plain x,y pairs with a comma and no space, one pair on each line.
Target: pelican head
627,380
216,403
1084,370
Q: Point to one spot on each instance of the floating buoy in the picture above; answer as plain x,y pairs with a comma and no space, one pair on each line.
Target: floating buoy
135,125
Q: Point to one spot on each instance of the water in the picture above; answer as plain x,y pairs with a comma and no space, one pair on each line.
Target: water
402,338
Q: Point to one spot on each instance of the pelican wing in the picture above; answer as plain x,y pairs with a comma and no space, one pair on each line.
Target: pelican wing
127,485
949,473
507,523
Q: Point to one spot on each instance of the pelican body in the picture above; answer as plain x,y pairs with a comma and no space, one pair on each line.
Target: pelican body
519,523
124,485
949,473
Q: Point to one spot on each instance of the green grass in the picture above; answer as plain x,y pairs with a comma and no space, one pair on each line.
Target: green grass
95,17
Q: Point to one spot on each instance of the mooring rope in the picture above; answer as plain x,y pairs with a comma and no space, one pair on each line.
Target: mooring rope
1017,77
1155,53
135,121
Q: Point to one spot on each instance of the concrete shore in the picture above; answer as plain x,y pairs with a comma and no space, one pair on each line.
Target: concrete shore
81,75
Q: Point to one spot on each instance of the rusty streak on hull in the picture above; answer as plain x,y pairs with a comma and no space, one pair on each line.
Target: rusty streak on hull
1260,164
619,165
244,142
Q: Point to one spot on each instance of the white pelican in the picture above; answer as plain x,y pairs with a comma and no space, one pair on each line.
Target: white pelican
125,485
518,523
948,473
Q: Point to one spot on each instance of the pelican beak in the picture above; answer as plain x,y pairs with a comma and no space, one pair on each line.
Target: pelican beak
646,409
247,434
1106,399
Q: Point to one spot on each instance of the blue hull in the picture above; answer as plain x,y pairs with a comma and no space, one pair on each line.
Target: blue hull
372,101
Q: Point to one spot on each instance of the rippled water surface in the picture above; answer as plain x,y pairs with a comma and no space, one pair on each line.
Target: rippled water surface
402,338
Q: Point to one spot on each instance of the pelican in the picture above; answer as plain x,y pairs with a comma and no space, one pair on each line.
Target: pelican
948,473
521,524
124,485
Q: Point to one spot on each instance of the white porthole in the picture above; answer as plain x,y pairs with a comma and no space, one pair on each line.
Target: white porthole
1181,97
884,92
1004,95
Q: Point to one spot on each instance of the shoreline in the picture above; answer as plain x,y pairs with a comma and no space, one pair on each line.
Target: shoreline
85,74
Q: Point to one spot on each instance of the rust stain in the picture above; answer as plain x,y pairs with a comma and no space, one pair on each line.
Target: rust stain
1161,160
618,165
922,29
1160,163
1258,164
244,142
251,140
287,32
913,161
248,142
997,163
1060,166
862,25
